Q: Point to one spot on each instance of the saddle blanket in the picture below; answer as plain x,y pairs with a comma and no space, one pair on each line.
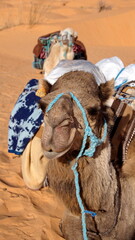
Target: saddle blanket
26,117
65,66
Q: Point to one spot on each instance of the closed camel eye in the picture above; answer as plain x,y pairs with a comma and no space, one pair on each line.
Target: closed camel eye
65,123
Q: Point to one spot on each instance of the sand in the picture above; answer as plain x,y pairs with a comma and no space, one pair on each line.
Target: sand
35,215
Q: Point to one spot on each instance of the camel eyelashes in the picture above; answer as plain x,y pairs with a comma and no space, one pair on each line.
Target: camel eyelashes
65,123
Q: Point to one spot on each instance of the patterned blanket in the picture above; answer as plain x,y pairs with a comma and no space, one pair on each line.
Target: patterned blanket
25,119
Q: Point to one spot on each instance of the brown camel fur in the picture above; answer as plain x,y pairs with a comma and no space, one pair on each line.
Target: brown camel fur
103,188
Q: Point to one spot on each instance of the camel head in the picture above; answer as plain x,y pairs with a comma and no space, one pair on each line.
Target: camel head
64,124
68,36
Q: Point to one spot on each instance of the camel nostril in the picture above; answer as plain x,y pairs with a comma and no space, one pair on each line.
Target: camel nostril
50,150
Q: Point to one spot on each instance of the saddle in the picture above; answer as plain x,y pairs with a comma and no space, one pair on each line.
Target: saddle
42,49
123,130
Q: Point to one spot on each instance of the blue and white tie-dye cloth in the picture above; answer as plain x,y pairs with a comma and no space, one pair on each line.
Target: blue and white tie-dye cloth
25,119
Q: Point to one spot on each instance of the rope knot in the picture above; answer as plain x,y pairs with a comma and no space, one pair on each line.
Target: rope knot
93,214
88,131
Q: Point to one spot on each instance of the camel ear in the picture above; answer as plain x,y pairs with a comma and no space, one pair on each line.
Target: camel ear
106,92
75,35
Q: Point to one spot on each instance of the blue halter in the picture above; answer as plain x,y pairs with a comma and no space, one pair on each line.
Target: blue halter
94,142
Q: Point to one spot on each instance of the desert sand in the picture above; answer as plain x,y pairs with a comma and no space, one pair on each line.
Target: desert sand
35,215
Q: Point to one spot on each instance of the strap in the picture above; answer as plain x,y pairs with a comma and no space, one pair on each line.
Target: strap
122,130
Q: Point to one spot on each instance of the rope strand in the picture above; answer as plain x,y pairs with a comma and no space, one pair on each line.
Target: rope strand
94,142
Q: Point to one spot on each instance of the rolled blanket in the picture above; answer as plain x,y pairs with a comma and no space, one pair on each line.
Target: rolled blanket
125,76
25,119
110,67
114,68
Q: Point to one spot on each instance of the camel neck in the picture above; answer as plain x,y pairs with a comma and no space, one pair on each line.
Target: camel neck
100,176
101,191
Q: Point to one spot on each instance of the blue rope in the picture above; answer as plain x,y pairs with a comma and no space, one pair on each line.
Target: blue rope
89,152
84,229
119,73
89,133
127,98
93,214
118,86
53,102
